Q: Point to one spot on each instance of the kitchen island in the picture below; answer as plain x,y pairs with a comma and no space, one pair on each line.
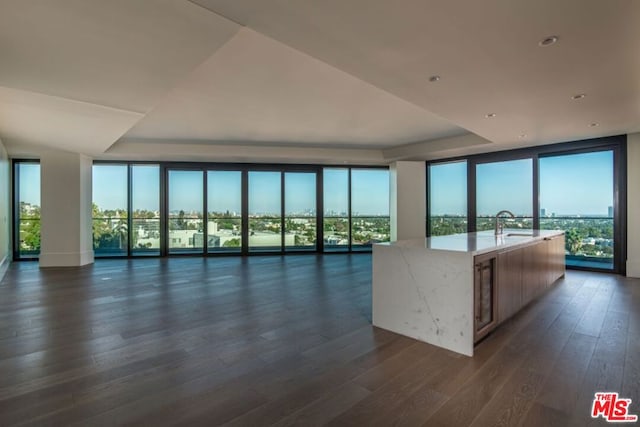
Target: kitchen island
452,290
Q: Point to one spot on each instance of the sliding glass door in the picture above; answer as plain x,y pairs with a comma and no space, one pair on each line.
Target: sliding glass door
224,206
26,176
265,211
300,229
447,196
110,210
335,224
370,221
577,195
145,209
185,219
577,187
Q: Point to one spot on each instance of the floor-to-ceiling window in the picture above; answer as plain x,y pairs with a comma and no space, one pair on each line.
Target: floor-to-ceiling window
110,209
265,211
26,178
356,208
158,209
126,209
336,226
300,230
576,195
506,185
578,187
145,209
447,198
369,207
224,206
185,216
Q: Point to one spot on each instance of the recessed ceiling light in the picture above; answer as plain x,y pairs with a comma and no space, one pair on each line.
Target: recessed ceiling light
548,41
579,96
433,79
490,115
594,124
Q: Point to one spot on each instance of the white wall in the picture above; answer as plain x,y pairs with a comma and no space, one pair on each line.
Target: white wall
5,210
65,181
407,200
633,205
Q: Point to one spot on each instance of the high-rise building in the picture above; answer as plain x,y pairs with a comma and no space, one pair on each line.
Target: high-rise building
610,212
543,212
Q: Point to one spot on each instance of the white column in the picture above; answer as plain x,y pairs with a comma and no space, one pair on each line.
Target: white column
633,205
407,200
5,211
66,236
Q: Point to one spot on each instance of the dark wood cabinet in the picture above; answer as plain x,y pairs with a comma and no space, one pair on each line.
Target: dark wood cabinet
507,280
510,264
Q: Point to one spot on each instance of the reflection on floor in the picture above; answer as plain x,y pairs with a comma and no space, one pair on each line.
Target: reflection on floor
287,340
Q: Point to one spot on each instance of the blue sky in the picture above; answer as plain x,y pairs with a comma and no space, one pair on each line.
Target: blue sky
369,192
336,191
224,191
569,185
505,185
264,193
30,183
145,181
577,183
110,186
448,188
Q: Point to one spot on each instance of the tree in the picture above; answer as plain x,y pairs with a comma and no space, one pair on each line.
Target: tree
29,227
573,241
232,243
30,234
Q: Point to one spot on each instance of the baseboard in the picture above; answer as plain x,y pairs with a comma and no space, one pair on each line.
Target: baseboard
4,266
633,269
65,259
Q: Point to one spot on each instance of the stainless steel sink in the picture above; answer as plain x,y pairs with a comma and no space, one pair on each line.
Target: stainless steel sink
519,235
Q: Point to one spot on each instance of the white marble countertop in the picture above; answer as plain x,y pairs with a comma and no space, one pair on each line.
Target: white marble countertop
478,242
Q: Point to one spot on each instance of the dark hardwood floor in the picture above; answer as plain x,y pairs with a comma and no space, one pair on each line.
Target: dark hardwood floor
287,341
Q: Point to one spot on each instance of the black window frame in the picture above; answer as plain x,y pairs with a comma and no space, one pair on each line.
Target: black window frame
617,144
244,168
15,210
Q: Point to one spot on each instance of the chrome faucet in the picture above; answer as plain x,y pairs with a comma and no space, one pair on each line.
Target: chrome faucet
499,223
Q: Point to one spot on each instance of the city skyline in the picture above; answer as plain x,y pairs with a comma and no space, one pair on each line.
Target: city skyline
580,184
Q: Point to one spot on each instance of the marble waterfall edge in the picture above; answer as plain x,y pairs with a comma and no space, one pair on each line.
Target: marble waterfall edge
424,294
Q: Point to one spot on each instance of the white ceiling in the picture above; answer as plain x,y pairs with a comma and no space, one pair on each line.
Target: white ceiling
218,77
257,90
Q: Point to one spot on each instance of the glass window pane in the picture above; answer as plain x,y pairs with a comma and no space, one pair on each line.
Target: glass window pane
145,205
447,198
265,192
28,194
185,211
369,207
110,233
224,203
336,208
576,195
300,210
504,186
